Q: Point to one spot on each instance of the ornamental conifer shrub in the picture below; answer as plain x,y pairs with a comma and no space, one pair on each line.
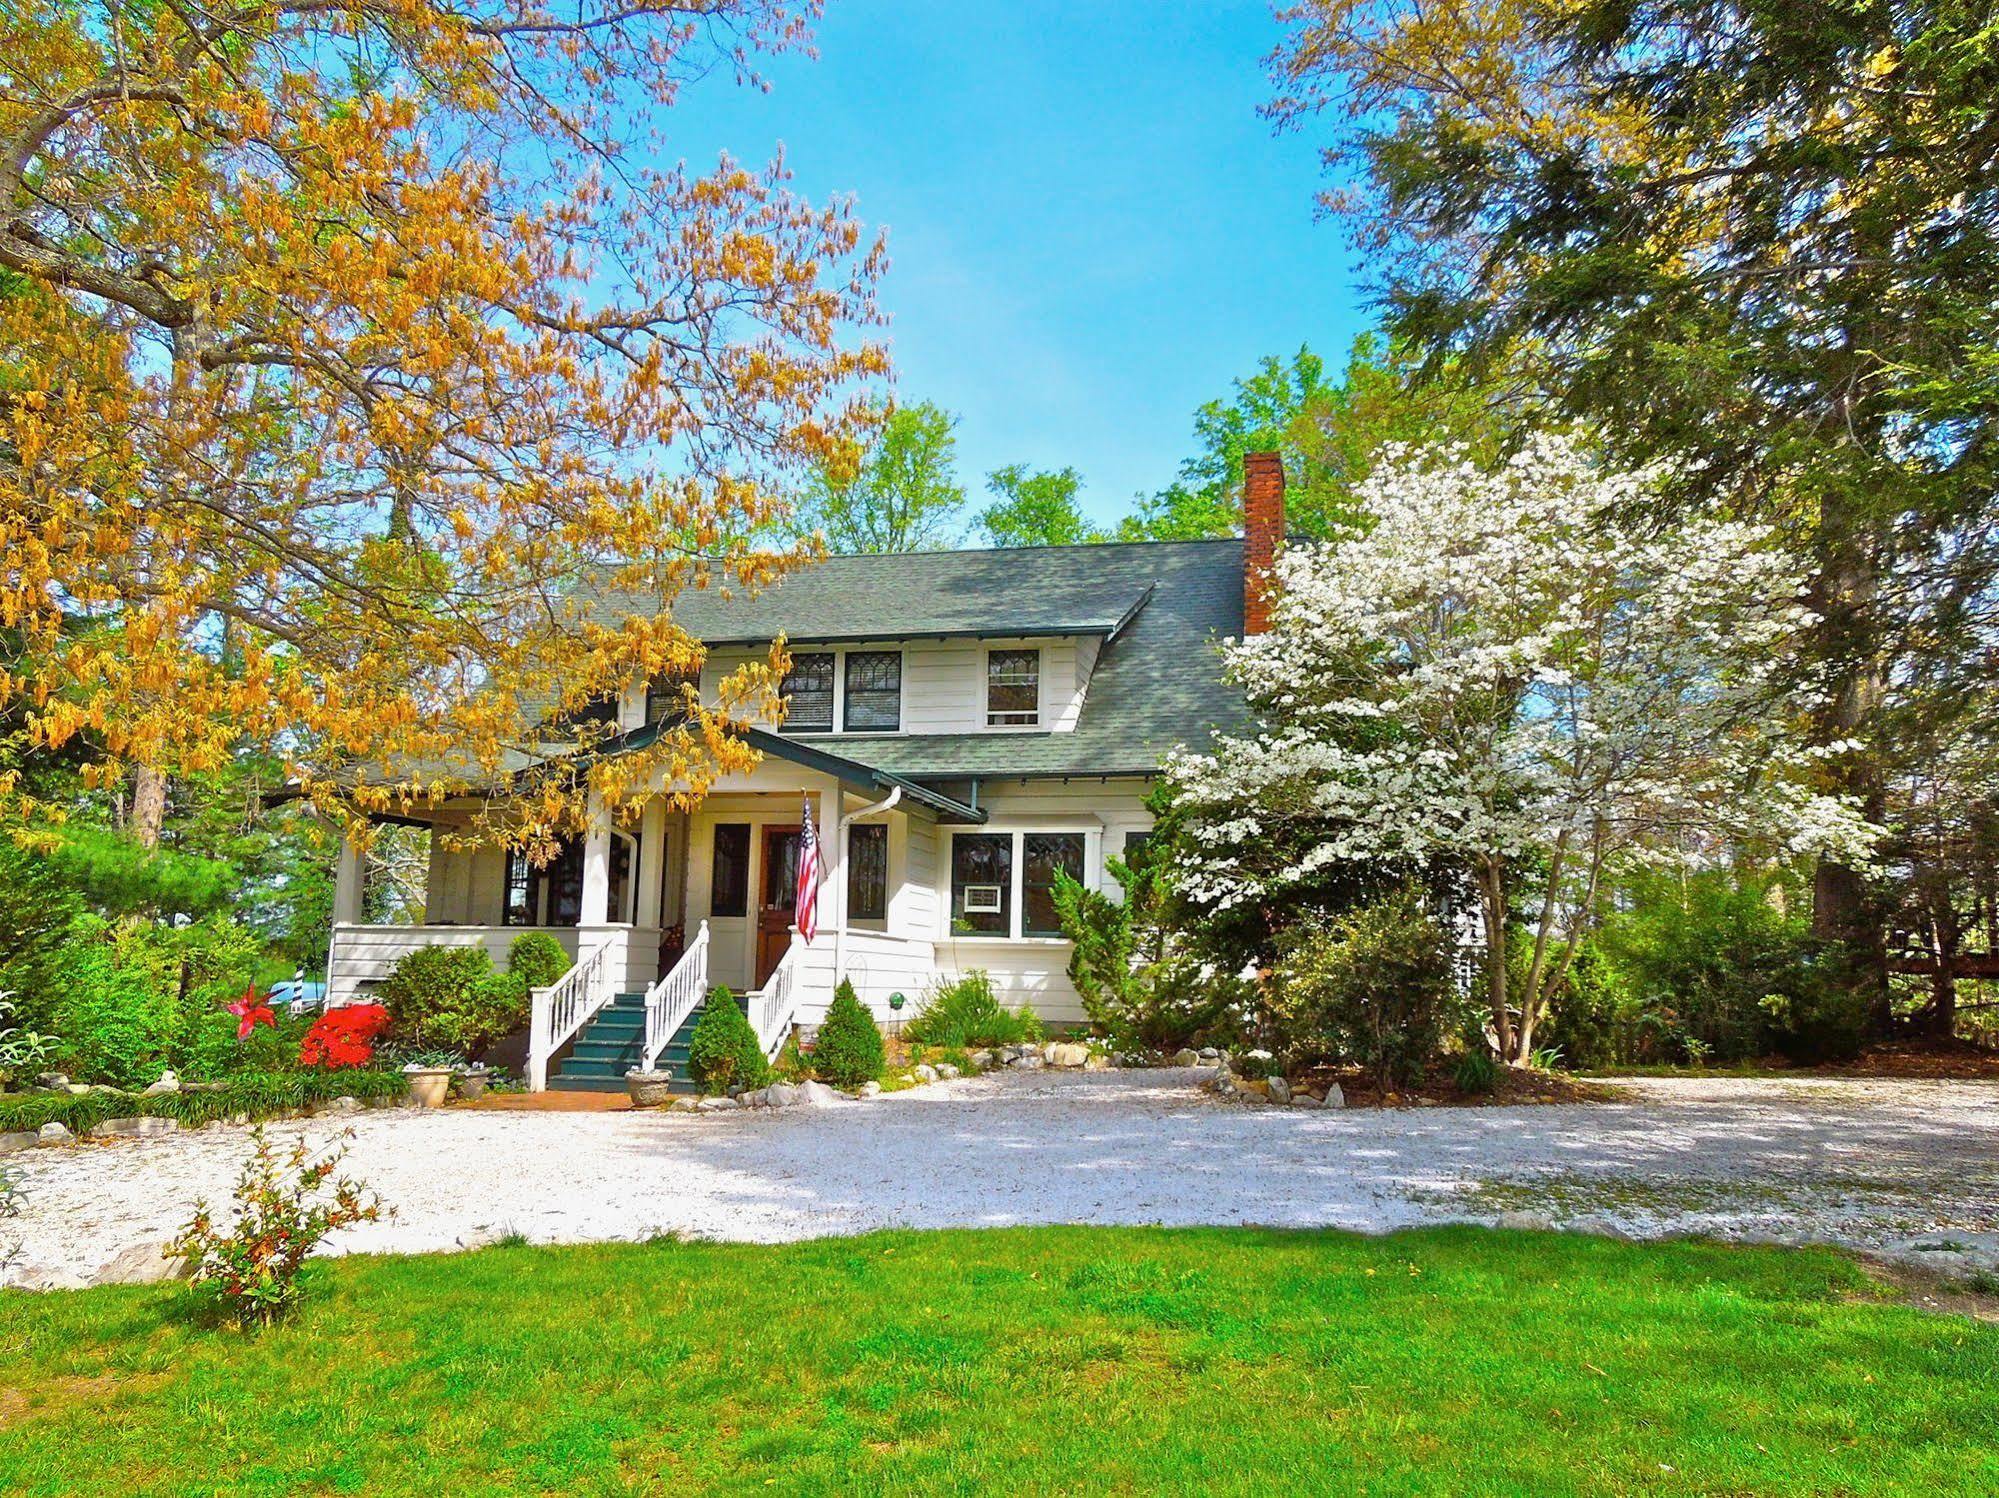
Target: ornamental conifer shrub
722,1054
849,1051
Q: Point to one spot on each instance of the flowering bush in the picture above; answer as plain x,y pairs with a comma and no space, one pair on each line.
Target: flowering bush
281,1217
343,1037
1519,672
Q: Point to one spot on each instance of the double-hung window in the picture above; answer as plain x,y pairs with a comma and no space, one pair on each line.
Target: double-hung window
985,900
867,871
874,691
1013,688
808,693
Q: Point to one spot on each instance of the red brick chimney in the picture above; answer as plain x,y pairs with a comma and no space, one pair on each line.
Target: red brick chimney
1262,536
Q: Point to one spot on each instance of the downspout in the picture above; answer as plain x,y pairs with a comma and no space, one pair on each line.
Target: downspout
887,803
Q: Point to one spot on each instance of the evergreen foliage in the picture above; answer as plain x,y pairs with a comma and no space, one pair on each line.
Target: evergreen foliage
722,1054
849,1049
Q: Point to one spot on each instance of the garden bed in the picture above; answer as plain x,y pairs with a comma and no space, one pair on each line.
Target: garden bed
259,1096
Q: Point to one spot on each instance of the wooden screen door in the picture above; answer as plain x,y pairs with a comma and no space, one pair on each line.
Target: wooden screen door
778,907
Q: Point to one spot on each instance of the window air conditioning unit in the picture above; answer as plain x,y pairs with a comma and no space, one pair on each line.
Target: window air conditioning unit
982,899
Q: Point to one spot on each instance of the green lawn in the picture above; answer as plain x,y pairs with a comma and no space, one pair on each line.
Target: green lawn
1046,1360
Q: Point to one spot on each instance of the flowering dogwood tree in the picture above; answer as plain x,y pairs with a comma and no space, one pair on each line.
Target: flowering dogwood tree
1508,675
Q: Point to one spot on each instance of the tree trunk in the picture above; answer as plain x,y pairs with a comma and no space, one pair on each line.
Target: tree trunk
149,805
1492,908
1847,592
1947,941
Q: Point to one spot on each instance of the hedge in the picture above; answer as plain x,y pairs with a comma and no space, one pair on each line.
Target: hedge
260,1095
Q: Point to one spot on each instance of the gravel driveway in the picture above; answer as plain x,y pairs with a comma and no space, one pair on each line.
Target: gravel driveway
1909,1168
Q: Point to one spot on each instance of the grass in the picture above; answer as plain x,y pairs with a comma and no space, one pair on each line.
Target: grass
1036,1360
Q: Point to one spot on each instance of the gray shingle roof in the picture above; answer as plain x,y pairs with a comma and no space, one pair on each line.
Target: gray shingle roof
1157,683
911,595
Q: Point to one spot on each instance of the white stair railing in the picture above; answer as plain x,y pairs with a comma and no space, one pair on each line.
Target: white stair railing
675,996
563,1008
772,1006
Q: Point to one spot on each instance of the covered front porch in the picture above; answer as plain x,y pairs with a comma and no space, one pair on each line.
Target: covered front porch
654,907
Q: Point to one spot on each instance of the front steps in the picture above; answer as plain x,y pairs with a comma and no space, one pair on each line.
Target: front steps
611,1044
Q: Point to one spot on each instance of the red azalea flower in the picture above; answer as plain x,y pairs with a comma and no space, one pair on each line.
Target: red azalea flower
250,1012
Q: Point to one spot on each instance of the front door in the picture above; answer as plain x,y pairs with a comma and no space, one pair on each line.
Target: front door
778,906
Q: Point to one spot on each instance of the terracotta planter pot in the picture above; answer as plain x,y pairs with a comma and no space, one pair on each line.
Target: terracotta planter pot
649,1088
472,1084
429,1084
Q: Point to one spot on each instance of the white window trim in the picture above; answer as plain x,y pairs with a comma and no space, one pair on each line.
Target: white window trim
839,728
1040,723
1093,878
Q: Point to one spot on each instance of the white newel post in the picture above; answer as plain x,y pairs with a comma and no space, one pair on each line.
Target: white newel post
540,1020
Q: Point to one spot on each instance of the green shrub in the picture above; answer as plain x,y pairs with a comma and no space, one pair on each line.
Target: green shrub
1477,1071
792,1064
1136,991
255,1094
849,1050
537,959
450,998
1374,988
722,1054
1592,1020
1714,967
967,1013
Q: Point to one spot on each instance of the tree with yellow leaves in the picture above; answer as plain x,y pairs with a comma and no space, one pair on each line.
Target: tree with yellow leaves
353,352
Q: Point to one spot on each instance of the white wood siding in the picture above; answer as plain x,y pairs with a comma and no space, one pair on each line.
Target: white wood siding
944,681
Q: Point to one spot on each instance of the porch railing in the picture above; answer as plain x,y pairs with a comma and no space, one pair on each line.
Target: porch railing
772,1006
677,995
565,1007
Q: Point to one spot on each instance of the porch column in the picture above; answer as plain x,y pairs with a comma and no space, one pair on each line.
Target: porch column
596,894
652,861
347,907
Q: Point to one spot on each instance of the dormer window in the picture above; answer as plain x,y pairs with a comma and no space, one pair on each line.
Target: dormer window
808,693
1013,688
874,691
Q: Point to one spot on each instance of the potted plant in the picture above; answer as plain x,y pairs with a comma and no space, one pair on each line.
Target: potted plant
472,1081
430,1074
648,1089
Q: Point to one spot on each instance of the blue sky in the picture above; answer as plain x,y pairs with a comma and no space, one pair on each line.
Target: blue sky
1091,230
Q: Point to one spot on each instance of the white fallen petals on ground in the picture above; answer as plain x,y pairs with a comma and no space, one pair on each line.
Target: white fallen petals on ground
1909,1168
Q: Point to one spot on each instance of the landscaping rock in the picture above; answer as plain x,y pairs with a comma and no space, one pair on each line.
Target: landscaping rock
981,1060
817,1095
53,1081
141,1264
1305,1100
871,1089
718,1104
12,1144
1097,1061
783,1095
1186,1056
1530,1222
1279,1089
946,1072
77,1089
1209,1053
167,1084
684,1104
146,1126
1030,1062
1336,1096
925,1072
1066,1053
53,1132
340,1105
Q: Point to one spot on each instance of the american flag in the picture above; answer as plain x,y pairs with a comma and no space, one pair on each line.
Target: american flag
807,902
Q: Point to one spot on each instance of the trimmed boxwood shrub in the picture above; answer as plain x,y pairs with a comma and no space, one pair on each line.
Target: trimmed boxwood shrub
722,1054
849,1050
537,959
450,997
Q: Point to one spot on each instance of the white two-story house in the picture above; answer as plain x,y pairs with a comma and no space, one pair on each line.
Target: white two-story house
963,726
